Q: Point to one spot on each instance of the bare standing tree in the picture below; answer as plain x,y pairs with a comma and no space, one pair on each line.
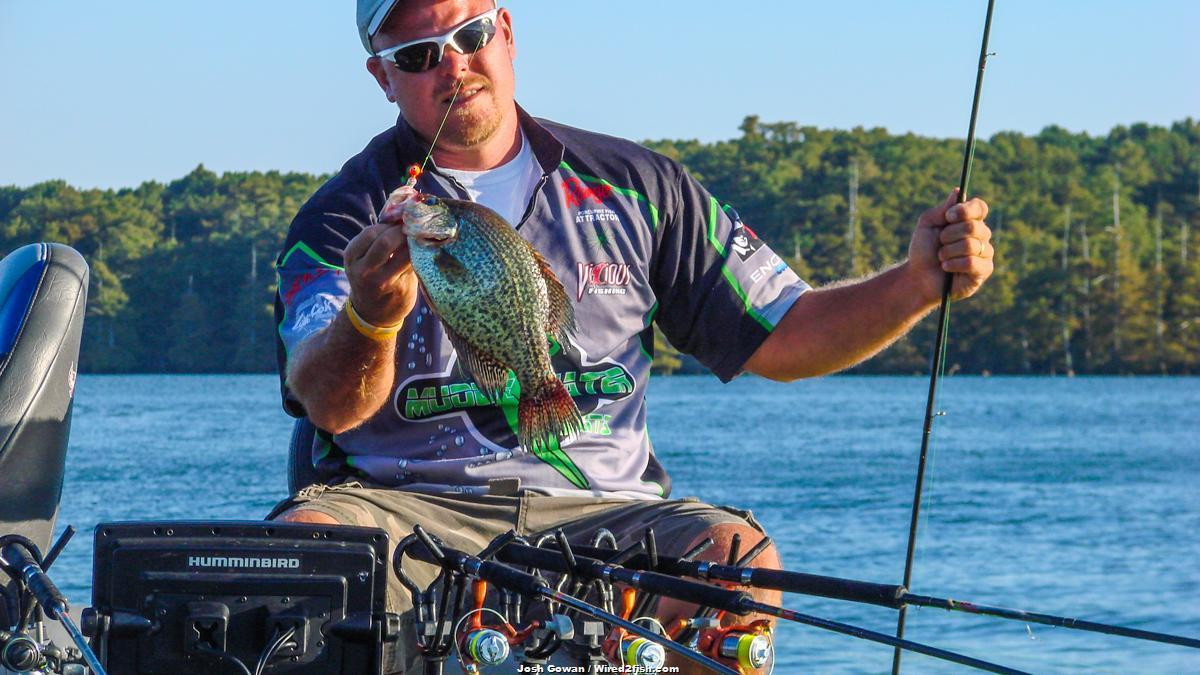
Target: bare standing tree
1068,362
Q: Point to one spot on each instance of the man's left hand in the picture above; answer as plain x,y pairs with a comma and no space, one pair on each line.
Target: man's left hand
952,238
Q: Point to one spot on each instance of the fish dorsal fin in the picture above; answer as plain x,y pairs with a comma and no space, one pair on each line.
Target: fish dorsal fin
489,374
561,319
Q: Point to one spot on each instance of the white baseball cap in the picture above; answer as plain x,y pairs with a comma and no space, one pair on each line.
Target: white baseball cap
371,15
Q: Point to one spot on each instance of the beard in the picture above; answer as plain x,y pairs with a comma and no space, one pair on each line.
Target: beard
474,123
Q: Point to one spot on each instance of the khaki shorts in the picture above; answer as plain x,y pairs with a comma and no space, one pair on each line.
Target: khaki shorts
470,522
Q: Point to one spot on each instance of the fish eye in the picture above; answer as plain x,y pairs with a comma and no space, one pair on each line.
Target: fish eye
430,201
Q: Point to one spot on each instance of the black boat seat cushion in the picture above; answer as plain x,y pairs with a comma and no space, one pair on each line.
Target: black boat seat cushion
301,472
43,294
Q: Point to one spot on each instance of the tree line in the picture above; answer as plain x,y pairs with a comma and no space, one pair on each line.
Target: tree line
1097,268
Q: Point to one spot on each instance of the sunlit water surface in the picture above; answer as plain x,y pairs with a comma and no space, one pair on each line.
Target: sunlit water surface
1068,496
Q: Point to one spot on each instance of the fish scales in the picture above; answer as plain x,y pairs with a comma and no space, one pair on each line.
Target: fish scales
498,307
498,301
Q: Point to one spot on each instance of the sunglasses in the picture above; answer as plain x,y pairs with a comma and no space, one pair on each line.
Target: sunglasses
421,55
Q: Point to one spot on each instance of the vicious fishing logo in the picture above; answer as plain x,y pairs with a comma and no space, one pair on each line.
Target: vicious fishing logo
601,278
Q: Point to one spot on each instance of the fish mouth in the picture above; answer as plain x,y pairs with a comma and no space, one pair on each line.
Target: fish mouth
433,239
421,235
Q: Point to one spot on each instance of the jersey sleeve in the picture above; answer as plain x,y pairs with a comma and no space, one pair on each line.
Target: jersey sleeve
721,290
312,287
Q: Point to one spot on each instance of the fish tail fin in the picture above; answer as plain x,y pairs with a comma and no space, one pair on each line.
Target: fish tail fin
546,411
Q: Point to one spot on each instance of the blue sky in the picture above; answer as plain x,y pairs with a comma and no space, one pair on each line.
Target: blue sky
109,94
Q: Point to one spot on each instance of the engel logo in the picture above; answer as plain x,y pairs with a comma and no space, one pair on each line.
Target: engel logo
602,278
774,266
238,561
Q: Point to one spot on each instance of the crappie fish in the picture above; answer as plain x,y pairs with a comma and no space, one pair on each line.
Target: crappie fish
498,300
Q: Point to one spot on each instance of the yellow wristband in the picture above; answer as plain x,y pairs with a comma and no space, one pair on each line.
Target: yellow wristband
370,330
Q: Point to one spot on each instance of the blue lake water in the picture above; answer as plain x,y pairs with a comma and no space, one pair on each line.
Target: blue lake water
1068,496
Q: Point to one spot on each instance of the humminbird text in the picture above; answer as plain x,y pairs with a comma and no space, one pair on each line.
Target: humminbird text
229,561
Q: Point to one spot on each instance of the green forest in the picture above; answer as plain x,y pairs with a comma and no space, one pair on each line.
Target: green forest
1097,238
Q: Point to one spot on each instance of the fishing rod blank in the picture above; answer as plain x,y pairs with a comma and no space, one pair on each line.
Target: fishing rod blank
898,643
737,602
519,581
896,597
939,349
882,594
1048,619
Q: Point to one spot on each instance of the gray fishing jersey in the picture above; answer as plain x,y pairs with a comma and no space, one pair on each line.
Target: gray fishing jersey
635,241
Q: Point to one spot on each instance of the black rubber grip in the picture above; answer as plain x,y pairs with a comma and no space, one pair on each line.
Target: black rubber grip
683,589
851,590
651,582
18,562
497,573
507,577
828,587
53,602
541,558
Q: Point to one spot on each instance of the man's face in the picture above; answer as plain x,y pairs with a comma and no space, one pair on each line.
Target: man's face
486,97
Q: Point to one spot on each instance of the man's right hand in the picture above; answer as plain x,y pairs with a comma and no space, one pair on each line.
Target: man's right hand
341,377
383,285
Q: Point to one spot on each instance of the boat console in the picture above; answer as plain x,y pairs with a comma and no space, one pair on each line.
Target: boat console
176,597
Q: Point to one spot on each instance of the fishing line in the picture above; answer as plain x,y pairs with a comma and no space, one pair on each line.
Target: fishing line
931,494
655,622
416,170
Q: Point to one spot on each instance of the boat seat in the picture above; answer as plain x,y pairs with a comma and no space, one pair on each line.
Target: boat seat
43,296
301,472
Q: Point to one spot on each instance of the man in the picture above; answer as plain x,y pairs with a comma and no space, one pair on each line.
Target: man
633,238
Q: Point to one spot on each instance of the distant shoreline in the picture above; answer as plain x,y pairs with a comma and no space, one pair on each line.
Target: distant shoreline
1097,240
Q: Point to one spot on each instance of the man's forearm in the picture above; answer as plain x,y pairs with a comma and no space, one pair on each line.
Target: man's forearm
830,329
340,376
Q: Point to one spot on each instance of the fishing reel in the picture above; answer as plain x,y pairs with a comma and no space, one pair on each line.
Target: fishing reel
748,646
20,653
484,635
482,644
24,645
445,624
630,650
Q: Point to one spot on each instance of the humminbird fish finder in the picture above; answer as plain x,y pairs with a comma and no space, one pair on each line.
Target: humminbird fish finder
258,597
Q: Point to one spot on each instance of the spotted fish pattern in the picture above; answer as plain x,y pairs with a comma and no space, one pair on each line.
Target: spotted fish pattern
499,301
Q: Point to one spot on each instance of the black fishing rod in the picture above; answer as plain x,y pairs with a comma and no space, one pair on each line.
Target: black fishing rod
1048,619
23,562
939,349
528,584
736,602
883,595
